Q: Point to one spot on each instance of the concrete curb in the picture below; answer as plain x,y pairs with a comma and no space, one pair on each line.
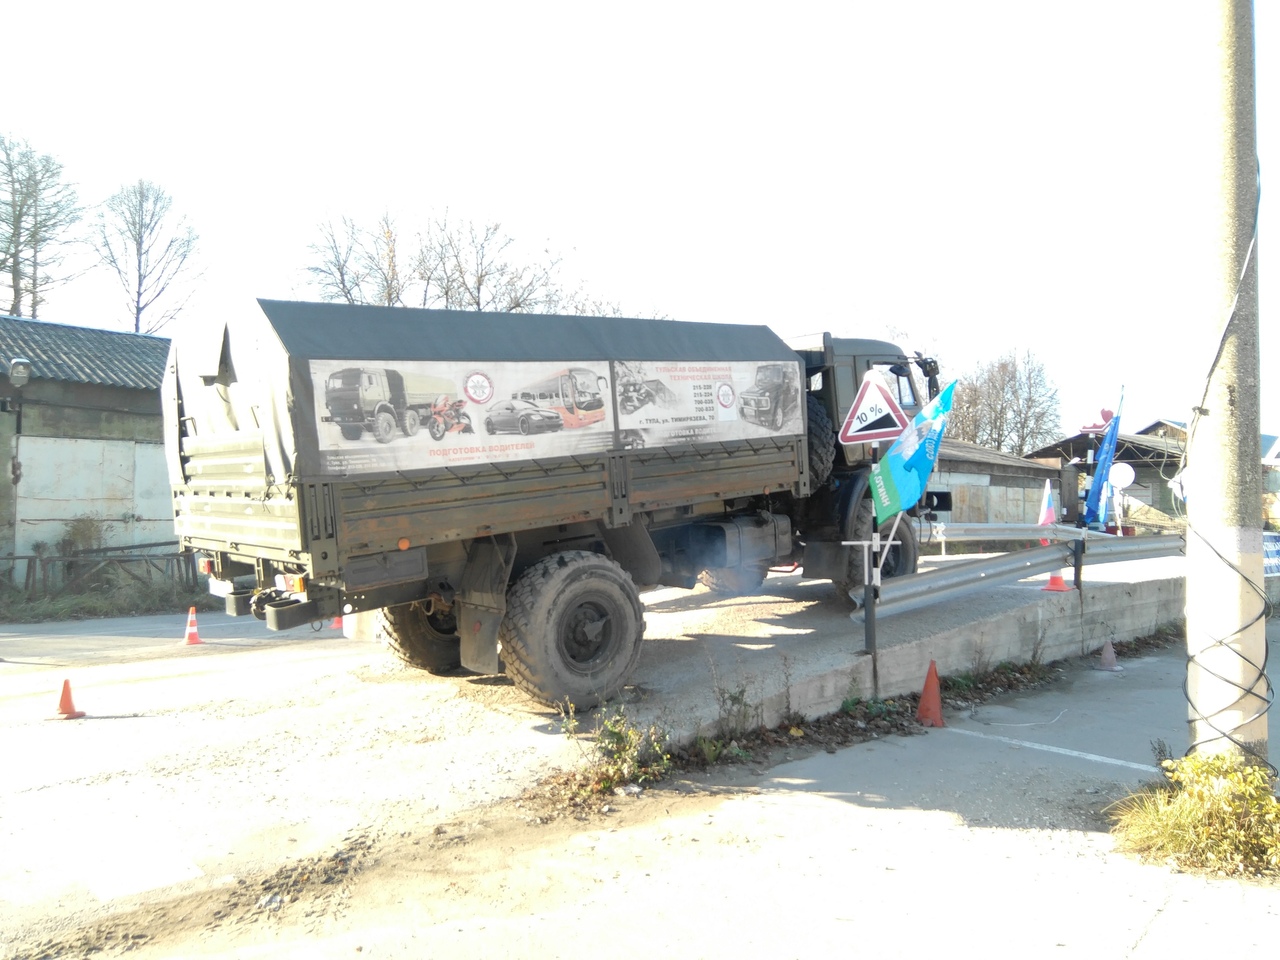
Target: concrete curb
1056,626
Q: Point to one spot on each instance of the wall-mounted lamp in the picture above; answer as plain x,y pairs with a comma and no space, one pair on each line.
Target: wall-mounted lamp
19,371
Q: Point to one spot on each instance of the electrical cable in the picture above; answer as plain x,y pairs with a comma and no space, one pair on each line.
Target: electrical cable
1247,689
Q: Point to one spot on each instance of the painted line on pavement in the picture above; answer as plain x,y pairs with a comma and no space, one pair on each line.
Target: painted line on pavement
1145,767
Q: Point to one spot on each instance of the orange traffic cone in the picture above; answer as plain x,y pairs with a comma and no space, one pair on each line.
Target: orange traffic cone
929,713
193,636
1057,584
1109,659
66,709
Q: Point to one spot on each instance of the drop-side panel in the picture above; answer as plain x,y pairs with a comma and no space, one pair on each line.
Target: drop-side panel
677,476
464,503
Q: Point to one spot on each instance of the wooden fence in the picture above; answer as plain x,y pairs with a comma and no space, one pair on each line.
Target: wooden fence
44,575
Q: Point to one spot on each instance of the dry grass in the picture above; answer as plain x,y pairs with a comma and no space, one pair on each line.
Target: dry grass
1213,813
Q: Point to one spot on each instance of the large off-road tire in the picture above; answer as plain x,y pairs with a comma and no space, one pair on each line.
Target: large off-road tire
410,422
776,423
735,581
351,431
425,640
572,630
384,427
822,443
902,555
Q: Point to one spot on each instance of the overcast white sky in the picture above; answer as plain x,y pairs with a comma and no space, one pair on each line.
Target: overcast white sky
981,177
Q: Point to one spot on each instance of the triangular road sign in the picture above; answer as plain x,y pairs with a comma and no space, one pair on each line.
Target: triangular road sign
875,415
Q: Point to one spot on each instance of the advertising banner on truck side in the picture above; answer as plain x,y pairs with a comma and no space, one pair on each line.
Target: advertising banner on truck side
381,415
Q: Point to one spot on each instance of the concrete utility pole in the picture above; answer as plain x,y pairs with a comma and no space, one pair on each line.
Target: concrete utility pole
1228,694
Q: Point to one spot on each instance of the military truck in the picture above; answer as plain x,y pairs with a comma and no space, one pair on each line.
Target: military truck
505,551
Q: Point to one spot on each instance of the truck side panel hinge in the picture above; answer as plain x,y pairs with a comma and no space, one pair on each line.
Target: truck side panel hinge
619,490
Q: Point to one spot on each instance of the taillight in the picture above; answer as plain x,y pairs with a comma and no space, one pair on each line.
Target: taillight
204,564
295,583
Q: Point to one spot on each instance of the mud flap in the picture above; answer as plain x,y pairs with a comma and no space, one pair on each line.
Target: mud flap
481,602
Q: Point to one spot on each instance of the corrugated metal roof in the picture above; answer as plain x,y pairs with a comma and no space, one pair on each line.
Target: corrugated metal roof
84,355
1129,447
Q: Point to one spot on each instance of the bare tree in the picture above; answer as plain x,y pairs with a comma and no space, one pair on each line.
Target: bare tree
454,266
361,266
135,237
1008,404
36,212
337,269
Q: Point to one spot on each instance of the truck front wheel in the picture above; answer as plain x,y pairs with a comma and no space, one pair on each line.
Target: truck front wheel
572,630
425,640
384,427
900,557
351,431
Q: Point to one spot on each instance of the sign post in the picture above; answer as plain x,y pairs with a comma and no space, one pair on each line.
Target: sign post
874,416
871,587
897,484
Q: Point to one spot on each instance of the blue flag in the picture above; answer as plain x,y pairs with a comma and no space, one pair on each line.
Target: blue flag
898,481
1095,507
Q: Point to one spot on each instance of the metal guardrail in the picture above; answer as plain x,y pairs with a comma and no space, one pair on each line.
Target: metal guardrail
1008,531
966,577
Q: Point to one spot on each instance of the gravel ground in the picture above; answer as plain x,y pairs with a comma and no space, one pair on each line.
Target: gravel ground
253,794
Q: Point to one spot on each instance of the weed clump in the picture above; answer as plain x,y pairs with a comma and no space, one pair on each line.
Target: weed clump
625,753
1212,812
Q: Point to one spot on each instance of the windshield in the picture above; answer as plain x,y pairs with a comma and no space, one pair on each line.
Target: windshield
345,378
586,389
898,378
770,375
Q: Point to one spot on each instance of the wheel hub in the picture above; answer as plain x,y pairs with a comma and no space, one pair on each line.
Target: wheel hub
586,633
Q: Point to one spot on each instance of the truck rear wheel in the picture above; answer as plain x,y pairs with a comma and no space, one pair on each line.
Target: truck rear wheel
901,560
572,630
409,423
351,431
822,443
425,640
735,581
384,427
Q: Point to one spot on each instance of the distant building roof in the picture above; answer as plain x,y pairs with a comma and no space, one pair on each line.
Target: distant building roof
1173,428
956,452
84,355
1130,448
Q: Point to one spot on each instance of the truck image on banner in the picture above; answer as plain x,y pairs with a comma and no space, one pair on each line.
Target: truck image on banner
471,413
